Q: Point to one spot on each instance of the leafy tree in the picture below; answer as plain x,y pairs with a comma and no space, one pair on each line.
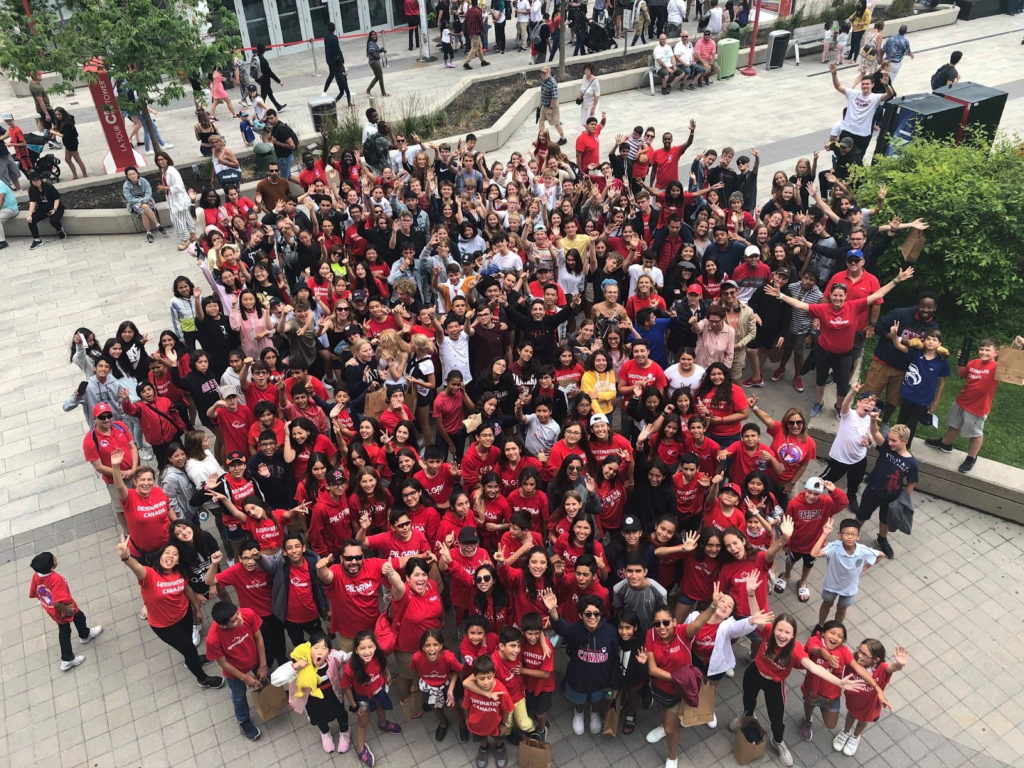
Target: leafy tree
148,47
973,200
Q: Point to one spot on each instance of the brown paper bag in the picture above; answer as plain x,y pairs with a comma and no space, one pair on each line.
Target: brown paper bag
270,701
435,576
534,754
703,713
913,245
375,403
413,705
1010,366
743,750
611,719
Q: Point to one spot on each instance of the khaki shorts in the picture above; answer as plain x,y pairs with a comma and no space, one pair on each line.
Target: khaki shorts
347,644
968,424
555,117
404,662
882,378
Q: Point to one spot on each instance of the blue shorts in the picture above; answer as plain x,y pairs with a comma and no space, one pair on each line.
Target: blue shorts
579,699
380,698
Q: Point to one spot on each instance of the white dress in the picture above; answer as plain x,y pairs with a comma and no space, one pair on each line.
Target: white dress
591,92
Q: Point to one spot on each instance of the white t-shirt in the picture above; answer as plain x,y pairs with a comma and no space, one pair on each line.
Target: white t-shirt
842,571
537,11
676,380
455,356
636,271
860,111
684,52
715,21
523,11
851,438
663,55
540,437
676,11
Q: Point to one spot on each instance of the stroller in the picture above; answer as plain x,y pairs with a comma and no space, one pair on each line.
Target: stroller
47,166
601,37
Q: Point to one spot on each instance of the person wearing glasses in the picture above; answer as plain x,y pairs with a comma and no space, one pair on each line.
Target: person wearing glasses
593,671
107,437
272,190
791,444
353,588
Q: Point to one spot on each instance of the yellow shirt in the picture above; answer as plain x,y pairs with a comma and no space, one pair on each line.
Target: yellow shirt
601,388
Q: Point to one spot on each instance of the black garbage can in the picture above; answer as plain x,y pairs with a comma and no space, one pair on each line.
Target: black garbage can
778,46
321,109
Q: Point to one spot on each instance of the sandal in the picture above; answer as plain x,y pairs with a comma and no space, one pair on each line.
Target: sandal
482,756
630,725
500,757
780,586
803,594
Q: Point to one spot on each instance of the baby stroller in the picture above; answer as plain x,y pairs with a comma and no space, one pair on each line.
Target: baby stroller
47,166
601,37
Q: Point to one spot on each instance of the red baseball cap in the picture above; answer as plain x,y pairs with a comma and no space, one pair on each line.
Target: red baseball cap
730,487
101,408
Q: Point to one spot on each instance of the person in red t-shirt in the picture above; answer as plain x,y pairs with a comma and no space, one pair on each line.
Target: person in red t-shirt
967,414
488,709
234,420
776,657
840,320
104,438
666,160
538,668
52,592
507,666
863,707
364,680
438,671
235,642
749,455
147,511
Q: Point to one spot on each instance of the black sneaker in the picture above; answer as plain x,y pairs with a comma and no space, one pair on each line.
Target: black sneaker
883,544
203,660
485,63
212,682
440,733
35,244
3,244
646,696
250,731
62,234
563,141
936,442
968,464
463,734
466,66
149,237
161,230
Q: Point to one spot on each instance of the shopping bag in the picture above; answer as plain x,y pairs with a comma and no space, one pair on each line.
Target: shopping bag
913,245
374,403
270,701
534,754
611,719
413,706
703,713
751,741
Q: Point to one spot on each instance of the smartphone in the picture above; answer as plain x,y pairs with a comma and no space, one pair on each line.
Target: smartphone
82,387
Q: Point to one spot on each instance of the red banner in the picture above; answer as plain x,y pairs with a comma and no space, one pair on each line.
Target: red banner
121,152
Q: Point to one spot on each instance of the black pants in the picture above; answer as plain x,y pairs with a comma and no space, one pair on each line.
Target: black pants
39,215
414,29
854,475
297,632
267,92
499,36
160,451
774,699
911,415
67,653
870,500
338,76
855,38
659,17
839,365
581,47
273,640
179,637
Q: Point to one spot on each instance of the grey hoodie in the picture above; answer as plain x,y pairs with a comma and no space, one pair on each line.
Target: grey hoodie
98,392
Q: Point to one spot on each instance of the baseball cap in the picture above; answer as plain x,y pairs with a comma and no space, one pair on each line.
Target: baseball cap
101,408
236,457
598,418
335,477
815,485
229,390
358,295
631,523
846,141
468,535
688,265
731,284
854,254
732,487
350,329
7,116
752,250
695,289
544,266
867,394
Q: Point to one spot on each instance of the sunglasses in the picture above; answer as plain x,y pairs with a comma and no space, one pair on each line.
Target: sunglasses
662,623
352,558
591,614
406,524
105,416
483,578
795,422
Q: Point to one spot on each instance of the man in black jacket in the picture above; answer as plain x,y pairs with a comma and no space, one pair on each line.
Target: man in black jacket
266,75
298,598
335,64
538,327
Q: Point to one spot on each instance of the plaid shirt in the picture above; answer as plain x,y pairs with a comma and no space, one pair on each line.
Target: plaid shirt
548,91
474,21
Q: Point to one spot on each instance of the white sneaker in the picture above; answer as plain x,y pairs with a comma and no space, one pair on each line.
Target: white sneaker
94,632
596,723
840,740
577,724
196,628
147,455
656,735
714,722
784,754
66,665
731,672
734,724
167,145
851,746
671,762
150,151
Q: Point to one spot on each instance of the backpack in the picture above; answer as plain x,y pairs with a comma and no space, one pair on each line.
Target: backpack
255,68
535,34
376,149
939,78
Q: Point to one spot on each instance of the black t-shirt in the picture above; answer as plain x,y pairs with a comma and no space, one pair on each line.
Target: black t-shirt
283,132
44,195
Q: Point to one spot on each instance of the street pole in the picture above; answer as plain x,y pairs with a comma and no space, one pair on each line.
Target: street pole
749,70
424,35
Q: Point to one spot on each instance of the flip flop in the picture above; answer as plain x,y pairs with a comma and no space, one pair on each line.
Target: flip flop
803,594
630,725
780,586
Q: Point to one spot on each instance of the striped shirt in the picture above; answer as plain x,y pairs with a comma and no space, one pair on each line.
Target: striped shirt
548,91
799,322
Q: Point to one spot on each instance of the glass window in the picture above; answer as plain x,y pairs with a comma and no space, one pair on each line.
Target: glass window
319,15
256,22
378,14
350,15
288,18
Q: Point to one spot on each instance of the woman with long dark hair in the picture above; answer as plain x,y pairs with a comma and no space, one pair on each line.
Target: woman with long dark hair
65,129
722,403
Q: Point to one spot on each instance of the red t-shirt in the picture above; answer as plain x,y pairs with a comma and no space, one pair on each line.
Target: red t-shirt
510,476
435,673
468,651
497,511
415,614
254,396
330,524
735,404
570,552
377,510
733,580
148,522
252,588
773,669
589,148
793,453
532,657
715,517
689,496
50,589
809,519
536,506
977,395
267,533
366,690
355,605
237,490
837,328
438,488
234,427
707,453
474,466
485,715
257,428
813,684
669,656
861,288
236,646
743,463
652,375
322,445
612,496
699,576
164,597
704,641
666,164
448,408
99,446
463,571
376,328
390,545
512,681
301,602
426,521
863,705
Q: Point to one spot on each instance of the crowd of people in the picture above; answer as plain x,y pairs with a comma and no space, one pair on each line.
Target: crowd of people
438,420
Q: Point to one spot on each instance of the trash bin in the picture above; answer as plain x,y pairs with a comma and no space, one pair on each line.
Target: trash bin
728,53
322,108
778,46
263,155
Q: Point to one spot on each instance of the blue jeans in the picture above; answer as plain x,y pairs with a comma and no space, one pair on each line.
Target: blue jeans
458,438
286,163
145,132
238,698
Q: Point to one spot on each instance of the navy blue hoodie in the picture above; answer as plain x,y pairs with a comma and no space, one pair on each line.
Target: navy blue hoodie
593,658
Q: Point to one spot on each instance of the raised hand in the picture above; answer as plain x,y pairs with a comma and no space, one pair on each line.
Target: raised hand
703,480
216,557
116,457
550,599
901,656
690,542
828,527
324,562
387,569
786,527
122,548
753,581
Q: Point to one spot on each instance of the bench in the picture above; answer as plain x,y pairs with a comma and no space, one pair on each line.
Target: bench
652,69
808,38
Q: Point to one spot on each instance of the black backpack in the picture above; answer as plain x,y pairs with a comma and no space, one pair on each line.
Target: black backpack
939,79
376,149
